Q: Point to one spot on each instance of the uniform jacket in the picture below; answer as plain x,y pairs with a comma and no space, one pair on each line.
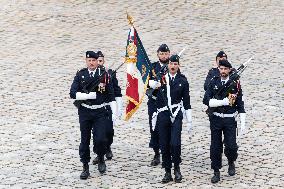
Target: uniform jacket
213,72
213,87
116,88
82,77
156,67
179,92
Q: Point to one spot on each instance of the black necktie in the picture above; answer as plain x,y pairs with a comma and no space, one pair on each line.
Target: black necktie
171,80
91,74
223,82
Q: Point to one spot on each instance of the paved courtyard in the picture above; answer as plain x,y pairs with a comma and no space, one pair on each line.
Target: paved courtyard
43,44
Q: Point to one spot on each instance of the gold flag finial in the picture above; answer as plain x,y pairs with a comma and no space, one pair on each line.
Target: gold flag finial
130,19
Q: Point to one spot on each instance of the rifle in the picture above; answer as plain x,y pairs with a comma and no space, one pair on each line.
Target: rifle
224,90
162,72
94,83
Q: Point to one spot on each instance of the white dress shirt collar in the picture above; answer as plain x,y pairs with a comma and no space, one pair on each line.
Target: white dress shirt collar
226,80
93,72
172,76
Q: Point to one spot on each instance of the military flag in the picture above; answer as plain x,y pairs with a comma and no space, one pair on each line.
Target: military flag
138,69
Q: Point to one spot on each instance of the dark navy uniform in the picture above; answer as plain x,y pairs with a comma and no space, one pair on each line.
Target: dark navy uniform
213,72
116,87
117,93
154,140
163,52
93,114
223,120
170,132
118,105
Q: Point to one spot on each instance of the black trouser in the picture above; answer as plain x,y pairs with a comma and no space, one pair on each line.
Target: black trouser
154,140
170,138
93,121
228,126
110,134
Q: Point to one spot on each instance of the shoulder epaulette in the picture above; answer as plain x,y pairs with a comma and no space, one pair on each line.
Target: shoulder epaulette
211,80
83,69
154,64
182,75
213,69
214,78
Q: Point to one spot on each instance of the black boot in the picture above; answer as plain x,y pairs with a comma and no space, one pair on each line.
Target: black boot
231,169
177,173
85,173
109,154
156,160
216,177
96,160
101,165
168,176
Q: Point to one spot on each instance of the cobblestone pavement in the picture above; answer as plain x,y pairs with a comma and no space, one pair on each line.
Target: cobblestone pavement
43,45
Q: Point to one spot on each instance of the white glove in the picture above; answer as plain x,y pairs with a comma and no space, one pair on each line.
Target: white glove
85,96
154,84
188,116
119,106
114,112
189,129
215,103
243,123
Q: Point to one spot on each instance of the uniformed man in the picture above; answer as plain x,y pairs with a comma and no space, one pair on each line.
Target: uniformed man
96,112
214,72
118,99
223,120
173,93
163,54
